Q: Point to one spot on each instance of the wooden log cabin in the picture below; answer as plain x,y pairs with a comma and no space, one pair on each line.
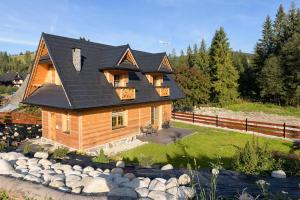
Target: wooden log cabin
92,94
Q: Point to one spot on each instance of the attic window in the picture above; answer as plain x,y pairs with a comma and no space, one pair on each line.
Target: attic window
76,56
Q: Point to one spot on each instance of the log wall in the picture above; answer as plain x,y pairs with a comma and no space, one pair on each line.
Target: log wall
93,127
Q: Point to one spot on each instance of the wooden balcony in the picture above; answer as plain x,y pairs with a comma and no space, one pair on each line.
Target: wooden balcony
126,93
163,91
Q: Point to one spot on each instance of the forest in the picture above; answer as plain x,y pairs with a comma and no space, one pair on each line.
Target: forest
15,63
216,75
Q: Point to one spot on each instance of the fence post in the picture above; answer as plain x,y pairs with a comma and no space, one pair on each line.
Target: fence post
246,124
193,117
284,129
174,117
217,120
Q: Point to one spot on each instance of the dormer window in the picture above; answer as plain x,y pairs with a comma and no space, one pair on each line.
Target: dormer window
116,80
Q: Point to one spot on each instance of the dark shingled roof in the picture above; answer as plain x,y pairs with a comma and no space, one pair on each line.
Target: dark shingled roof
49,95
89,88
8,77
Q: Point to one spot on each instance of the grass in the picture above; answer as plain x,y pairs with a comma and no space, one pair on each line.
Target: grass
206,145
246,106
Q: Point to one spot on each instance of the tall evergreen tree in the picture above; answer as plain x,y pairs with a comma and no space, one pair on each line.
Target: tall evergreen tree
222,72
190,56
290,61
279,29
202,60
264,48
292,21
271,81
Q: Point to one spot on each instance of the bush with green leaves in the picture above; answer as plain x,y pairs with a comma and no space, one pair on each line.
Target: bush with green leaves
60,152
26,149
101,157
254,159
4,195
145,161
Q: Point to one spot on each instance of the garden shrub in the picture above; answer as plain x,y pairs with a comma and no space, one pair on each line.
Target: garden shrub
3,146
26,149
60,152
4,195
254,159
101,157
145,161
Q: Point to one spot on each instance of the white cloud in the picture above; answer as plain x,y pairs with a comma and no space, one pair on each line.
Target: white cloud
17,41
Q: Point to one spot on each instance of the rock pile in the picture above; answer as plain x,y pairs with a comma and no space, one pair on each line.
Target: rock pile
75,179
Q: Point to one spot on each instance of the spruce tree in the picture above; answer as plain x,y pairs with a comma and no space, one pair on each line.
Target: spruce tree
190,56
290,62
292,21
222,72
279,29
271,81
264,48
202,60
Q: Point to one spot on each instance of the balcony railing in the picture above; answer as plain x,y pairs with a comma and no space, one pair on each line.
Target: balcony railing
126,93
163,91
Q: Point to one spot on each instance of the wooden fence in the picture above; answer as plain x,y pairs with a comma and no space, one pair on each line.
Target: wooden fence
19,118
280,130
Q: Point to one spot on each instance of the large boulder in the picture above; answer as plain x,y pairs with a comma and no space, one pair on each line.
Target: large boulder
11,156
120,164
88,169
98,185
117,170
41,154
123,192
278,174
130,176
186,192
167,167
157,185
142,192
184,179
56,184
5,167
45,162
32,178
160,195
134,183
172,182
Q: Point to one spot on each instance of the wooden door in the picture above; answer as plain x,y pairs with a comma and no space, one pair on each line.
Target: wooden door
52,126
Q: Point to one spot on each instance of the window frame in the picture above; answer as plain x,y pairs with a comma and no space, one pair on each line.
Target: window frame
118,119
119,80
66,122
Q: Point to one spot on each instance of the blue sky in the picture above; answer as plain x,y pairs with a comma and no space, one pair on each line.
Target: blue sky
149,25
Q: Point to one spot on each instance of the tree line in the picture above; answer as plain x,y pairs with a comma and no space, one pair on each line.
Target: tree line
218,75
15,63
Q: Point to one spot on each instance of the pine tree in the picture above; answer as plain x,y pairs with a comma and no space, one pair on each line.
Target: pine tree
222,72
279,29
195,49
202,60
271,82
264,48
190,56
292,21
290,62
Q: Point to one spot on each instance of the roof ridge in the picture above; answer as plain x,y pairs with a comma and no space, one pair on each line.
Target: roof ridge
79,40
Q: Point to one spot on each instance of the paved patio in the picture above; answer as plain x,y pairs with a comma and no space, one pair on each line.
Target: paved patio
166,136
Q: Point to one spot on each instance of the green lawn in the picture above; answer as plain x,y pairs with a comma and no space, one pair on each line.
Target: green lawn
206,145
264,107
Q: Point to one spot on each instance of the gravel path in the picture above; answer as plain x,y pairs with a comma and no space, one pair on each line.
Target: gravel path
256,116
